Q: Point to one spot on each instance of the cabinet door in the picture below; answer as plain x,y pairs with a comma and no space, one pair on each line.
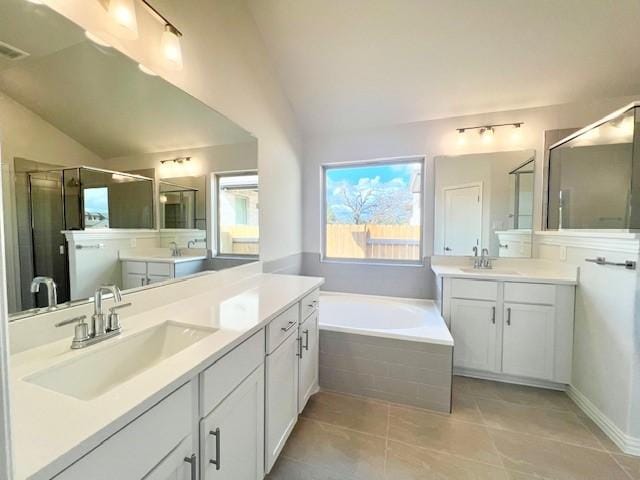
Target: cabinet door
133,280
308,360
156,279
473,326
232,436
281,397
528,340
180,464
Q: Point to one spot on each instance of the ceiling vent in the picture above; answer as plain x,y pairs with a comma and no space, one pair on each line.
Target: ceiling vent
10,52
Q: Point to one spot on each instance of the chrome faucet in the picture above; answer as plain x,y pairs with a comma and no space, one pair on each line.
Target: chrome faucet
175,251
52,290
102,326
483,261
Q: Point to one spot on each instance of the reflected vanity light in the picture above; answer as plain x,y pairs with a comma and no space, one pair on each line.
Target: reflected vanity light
171,48
96,39
124,14
163,199
147,70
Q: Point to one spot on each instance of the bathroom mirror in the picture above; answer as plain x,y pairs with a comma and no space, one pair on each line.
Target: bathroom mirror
484,200
107,170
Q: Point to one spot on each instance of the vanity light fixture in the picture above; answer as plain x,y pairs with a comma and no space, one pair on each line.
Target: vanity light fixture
96,39
124,14
176,160
487,132
170,42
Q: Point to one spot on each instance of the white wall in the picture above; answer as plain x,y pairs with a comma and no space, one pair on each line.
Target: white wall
227,67
24,134
434,138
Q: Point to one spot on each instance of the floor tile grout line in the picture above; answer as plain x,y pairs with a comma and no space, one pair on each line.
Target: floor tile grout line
341,427
493,443
622,467
386,440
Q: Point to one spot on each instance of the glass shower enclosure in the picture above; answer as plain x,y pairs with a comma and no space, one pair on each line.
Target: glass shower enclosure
75,198
594,175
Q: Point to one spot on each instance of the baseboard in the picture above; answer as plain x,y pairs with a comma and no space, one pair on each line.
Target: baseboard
501,377
626,443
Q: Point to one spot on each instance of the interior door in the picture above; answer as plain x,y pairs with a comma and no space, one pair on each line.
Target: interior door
233,434
528,342
462,219
473,326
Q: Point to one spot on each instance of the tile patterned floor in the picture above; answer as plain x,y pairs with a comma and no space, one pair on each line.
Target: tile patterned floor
496,432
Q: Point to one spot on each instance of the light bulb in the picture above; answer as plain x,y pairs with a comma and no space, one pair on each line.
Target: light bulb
163,199
462,137
171,47
516,134
96,39
624,126
147,70
487,134
124,14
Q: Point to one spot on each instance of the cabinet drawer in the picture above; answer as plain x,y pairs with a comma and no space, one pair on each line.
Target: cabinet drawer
222,377
530,293
309,304
136,267
282,326
160,269
141,445
474,289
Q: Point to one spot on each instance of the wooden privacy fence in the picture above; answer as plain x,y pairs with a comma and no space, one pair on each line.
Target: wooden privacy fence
240,239
391,242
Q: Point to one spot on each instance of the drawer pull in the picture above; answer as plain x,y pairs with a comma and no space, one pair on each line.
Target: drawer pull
216,462
194,465
509,316
306,340
286,329
299,354
493,315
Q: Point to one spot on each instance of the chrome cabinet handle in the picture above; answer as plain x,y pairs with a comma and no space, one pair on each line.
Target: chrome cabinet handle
306,340
299,340
194,465
286,329
216,462
509,316
493,315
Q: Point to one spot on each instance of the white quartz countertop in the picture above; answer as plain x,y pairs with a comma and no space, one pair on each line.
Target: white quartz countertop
51,430
160,259
512,270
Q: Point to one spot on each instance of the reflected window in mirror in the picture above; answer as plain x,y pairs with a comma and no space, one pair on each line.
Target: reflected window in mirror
373,211
238,214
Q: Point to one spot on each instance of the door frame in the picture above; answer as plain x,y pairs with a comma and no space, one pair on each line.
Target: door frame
445,189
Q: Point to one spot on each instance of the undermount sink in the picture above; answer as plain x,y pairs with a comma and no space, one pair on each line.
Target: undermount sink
95,373
492,271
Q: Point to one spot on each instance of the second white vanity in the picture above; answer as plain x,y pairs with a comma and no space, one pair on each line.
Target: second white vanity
512,322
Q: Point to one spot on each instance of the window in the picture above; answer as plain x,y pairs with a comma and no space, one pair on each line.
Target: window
96,207
238,230
373,211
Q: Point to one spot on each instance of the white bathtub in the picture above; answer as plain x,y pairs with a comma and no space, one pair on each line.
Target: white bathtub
388,317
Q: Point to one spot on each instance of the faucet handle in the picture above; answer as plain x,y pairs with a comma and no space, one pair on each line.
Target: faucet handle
114,316
81,333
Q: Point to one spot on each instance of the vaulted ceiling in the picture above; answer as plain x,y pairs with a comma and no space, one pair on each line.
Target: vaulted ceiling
348,64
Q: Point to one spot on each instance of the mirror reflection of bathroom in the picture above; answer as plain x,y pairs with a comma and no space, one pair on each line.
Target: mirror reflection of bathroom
108,172
484,201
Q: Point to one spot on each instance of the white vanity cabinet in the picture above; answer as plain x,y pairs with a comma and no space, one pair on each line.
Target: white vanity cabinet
309,348
281,393
180,464
514,330
140,273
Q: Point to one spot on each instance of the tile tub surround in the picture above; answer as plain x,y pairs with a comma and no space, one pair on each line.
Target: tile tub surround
401,371
343,437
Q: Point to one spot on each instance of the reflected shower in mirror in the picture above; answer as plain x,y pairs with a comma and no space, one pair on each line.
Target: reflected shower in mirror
107,171
484,200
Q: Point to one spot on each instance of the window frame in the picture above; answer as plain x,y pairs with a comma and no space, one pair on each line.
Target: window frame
324,168
216,208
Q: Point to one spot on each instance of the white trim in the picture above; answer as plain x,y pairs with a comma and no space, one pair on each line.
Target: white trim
505,378
626,443
623,242
447,188
103,234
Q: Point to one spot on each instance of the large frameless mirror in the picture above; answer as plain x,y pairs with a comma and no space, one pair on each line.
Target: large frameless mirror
107,171
484,201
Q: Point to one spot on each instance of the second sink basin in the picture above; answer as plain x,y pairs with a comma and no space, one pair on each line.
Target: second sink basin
95,373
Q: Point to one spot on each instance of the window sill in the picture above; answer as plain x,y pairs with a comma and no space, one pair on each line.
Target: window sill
374,262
